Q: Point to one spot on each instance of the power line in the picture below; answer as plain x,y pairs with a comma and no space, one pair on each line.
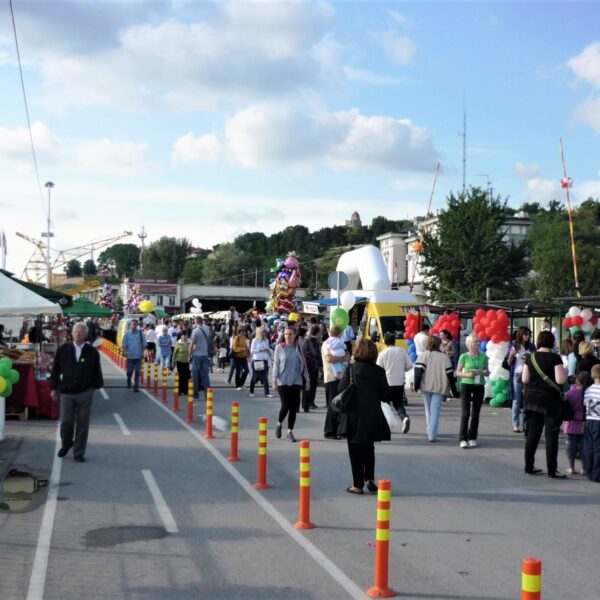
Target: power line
37,174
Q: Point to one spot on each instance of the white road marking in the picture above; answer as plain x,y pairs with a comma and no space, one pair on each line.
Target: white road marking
321,559
121,424
42,551
159,500
104,394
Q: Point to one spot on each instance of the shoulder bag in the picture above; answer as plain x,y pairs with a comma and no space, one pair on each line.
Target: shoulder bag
566,410
341,402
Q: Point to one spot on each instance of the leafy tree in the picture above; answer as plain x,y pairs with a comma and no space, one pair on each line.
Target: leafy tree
466,254
380,225
165,258
224,266
122,259
73,268
193,271
89,267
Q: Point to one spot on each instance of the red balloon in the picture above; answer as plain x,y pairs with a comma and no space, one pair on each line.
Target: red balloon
491,313
496,338
577,321
479,312
567,323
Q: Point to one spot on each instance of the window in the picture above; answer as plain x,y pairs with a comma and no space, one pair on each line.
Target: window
171,300
159,301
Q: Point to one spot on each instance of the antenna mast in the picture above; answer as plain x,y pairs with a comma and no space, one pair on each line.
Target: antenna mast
142,235
463,134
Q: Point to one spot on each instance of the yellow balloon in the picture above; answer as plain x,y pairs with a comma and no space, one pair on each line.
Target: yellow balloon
294,317
2,384
146,306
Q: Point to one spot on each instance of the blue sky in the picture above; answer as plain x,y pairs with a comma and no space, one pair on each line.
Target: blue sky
208,120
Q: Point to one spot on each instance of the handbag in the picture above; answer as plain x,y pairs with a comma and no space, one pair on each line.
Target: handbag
566,412
258,365
341,402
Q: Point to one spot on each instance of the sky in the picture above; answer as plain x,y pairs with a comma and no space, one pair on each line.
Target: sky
207,120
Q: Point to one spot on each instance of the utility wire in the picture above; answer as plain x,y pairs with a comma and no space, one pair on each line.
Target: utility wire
35,163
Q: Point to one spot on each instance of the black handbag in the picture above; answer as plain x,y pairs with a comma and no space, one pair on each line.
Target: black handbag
341,402
566,410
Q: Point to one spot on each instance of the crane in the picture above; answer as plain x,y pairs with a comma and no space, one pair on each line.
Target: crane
34,270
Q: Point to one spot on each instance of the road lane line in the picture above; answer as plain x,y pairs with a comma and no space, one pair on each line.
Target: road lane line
121,424
159,500
320,558
42,551
104,394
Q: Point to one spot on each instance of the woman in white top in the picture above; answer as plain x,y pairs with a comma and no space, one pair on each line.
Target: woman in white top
260,352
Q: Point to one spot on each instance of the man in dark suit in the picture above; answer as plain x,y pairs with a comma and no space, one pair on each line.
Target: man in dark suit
76,374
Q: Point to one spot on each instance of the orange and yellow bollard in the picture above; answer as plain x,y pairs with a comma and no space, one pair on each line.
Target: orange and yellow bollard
176,393
235,422
304,511
142,372
155,377
380,587
148,375
531,581
261,480
165,380
210,394
190,402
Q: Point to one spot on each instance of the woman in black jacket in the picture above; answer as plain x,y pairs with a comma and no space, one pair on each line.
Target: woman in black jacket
364,420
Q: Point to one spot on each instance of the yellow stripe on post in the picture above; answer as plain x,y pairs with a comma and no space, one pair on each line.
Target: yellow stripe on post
531,583
382,535
383,514
384,495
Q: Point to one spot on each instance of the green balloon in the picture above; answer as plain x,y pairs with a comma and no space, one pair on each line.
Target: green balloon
14,376
4,371
8,389
340,318
6,361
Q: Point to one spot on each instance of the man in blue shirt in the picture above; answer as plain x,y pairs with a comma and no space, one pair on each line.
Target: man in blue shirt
201,344
134,343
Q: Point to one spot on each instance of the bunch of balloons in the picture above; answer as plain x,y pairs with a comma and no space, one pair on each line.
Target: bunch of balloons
491,325
196,307
8,377
283,286
578,319
450,322
146,306
340,316
499,376
106,298
412,325
134,299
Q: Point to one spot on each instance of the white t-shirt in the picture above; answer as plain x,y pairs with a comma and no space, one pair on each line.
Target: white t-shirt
396,362
420,341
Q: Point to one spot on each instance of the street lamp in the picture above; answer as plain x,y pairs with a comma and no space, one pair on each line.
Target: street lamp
48,234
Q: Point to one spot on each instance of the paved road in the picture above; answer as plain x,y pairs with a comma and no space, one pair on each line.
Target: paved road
461,520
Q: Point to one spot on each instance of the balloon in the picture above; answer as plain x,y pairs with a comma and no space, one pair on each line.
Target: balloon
7,388
195,302
146,306
294,317
577,320
574,311
14,376
2,385
587,326
340,318
348,299
567,322
586,314
575,329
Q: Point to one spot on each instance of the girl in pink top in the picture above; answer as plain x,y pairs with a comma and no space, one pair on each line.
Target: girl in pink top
574,428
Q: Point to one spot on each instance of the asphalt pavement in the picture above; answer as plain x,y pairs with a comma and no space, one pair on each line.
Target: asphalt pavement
157,512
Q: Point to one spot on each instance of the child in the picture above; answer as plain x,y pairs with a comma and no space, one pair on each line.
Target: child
337,348
165,342
574,428
591,437
222,357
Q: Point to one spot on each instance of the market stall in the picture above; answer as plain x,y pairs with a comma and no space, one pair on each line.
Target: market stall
17,300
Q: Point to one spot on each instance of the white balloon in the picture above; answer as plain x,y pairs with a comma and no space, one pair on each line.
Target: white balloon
587,326
195,301
574,311
348,299
586,313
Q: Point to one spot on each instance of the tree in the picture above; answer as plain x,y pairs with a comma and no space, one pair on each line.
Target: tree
165,258
224,266
193,271
121,259
73,268
466,254
89,267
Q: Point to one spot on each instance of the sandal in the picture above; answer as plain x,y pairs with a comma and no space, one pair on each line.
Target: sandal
354,490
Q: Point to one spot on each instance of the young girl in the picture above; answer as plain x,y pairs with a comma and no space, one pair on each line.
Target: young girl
574,428
222,357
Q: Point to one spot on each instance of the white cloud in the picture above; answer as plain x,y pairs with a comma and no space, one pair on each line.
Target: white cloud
588,112
400,49
15,144
400,18
110,156
241,49
586,65
588,189
542,190
362,76
277,133
527,171
191,149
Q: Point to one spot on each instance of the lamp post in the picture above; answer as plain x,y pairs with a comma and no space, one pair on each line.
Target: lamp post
48,234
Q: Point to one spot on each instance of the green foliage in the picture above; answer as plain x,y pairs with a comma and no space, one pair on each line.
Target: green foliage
121,259
193,271
466,253
89,267
73,269
165,258
551,258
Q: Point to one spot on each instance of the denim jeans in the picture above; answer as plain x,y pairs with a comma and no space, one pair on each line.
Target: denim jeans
574,447
517,402
200,373
433,403
163,361
133,368
591,449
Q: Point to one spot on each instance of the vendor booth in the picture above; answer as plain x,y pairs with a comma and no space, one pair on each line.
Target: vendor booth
32,390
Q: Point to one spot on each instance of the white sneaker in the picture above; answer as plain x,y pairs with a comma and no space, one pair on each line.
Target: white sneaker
472,444
269,396
464,444
569,471
239,388
251,395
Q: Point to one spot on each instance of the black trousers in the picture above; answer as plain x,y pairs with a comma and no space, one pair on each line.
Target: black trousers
362,461
260,376
183,368
470,394
241,370
75,412
332,418
308,395
396,396
290,397
536,422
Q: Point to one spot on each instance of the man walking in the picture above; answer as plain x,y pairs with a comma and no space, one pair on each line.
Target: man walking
200,349
76,374
396,362
134,343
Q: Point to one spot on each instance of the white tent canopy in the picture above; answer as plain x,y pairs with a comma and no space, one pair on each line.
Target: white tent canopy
18,301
